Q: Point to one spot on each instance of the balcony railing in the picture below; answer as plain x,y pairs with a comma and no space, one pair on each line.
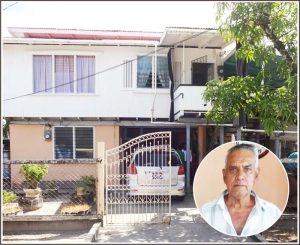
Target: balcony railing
188,100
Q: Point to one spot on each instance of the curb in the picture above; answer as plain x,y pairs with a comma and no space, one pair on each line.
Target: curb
93,232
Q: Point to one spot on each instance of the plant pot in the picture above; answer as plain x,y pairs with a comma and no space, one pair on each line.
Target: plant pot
11,209
31,204
33,193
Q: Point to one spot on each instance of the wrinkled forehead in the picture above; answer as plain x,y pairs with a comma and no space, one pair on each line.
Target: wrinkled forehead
239,157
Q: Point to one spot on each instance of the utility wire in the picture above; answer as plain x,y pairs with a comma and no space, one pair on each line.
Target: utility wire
10,5
107,69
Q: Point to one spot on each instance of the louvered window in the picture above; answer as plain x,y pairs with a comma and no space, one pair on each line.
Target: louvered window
73,142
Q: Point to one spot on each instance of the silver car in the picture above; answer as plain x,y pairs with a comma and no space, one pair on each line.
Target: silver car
149,173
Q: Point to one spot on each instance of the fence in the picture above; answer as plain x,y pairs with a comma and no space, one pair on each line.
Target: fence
68,187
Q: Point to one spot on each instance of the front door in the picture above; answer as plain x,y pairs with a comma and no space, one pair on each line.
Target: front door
201,73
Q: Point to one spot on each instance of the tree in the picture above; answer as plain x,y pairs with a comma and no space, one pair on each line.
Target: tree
264,31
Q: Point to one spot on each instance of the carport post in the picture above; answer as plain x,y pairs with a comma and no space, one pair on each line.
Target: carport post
100,179
221,135
188,157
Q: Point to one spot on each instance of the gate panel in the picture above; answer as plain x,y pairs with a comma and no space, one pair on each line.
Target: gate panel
138,180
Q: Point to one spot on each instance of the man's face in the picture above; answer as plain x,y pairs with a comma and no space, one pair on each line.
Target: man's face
240,173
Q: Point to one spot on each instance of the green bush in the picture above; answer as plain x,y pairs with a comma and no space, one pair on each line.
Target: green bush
33,173
88,180
9,197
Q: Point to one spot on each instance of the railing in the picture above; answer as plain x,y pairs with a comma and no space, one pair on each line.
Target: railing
189,98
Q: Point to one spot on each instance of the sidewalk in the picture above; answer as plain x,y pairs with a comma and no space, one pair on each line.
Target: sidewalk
186,226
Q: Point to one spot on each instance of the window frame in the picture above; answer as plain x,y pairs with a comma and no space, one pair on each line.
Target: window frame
152,69
74,141
53,82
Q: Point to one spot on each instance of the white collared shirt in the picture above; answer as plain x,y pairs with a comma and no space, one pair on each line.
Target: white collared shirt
263,215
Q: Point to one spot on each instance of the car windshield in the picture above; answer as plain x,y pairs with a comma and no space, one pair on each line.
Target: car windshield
155,159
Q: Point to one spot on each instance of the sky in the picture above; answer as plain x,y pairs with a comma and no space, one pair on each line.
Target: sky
107,15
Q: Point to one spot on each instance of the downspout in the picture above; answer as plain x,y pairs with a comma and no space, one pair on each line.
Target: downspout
171,116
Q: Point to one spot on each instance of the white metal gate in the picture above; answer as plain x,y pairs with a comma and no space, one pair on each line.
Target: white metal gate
138,180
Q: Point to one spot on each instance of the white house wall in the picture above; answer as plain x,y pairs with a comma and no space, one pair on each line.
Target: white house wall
192,54
110,99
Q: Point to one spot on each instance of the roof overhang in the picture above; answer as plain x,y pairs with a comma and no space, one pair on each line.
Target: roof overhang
78,34
192,37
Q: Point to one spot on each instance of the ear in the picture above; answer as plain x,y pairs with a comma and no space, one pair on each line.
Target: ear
224,173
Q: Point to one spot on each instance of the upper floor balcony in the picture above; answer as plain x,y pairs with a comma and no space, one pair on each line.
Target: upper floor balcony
189,102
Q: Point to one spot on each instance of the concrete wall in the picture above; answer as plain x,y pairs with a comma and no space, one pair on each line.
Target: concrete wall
27,143
58,171
109,90
271,185
123,102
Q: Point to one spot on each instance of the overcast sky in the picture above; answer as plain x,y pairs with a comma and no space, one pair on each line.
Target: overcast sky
107,15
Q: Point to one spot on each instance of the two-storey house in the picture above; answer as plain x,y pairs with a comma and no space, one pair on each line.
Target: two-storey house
64,90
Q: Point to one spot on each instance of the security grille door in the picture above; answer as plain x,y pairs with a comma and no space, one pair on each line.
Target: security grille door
138,180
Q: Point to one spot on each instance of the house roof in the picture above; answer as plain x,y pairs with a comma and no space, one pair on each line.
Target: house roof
172,36
80,34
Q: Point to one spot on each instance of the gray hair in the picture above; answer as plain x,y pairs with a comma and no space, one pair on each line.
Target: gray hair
244,146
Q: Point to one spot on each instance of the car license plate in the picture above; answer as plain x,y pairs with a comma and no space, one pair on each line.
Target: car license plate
157,175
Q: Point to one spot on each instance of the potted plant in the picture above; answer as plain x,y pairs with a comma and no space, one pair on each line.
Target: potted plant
85,188
10,206
89,183
80,189
33,174
90,187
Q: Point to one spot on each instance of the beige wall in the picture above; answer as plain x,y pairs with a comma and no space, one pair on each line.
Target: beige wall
27,143
107,134
57,171
271,185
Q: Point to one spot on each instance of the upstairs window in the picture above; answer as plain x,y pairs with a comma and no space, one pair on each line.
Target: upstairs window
71,74
144,72
42,73
64,74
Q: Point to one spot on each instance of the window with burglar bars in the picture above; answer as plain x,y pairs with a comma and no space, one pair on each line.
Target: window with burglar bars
127,74
144,72
73,142
63,74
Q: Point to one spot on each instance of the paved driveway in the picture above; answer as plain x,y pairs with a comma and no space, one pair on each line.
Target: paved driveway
186,226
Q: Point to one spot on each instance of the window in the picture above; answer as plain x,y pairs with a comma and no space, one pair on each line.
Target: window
144,72
72,74
64,74
73,142
42,73
201,73
127,74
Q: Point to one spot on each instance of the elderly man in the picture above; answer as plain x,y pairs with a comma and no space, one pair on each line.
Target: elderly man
239,211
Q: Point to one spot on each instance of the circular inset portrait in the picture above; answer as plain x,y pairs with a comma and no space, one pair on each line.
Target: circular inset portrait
241,188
